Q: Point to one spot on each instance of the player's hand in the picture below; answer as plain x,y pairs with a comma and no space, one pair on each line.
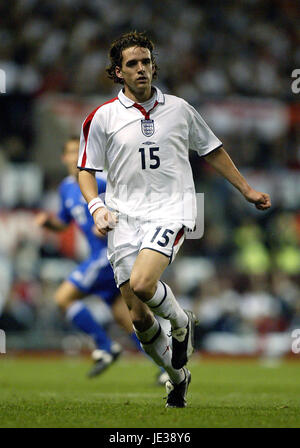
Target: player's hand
97,232
261,201
104,220
41,219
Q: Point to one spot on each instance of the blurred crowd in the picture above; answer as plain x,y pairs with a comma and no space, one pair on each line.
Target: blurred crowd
243,276
248,47
208,51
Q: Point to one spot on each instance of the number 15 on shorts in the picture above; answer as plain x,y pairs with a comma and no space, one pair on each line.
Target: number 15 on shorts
165,239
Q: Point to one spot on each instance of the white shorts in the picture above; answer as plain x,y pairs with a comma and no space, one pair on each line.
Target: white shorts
130,236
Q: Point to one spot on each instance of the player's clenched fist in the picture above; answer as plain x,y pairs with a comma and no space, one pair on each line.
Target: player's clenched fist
104,220
262,201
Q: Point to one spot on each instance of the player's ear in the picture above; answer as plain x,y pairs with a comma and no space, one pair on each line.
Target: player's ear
118,72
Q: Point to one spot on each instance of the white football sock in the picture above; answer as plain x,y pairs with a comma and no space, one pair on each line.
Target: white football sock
157,345
165,305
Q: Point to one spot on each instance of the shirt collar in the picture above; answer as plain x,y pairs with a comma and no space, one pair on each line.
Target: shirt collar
127,102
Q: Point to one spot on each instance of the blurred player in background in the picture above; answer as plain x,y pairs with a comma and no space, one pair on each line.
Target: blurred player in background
94,275
143,138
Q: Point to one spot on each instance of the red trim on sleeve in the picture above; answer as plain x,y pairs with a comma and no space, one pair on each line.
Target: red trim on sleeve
86,128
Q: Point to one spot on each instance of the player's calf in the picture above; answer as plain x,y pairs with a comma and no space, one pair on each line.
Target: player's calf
157,345
141,316
164,304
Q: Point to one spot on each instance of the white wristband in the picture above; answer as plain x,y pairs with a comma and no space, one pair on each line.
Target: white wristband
94,204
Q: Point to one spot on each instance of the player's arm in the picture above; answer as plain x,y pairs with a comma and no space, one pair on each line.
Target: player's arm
92,158
49,221
88,184
103,218
223,164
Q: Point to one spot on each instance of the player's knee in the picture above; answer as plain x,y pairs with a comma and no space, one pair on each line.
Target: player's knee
143,287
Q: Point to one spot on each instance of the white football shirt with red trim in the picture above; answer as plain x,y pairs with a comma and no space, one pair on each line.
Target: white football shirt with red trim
146,154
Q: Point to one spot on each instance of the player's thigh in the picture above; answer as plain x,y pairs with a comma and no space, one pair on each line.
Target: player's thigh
67,293
160,244
147,269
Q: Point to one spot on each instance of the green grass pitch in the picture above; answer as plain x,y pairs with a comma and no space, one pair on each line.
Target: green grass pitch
55,393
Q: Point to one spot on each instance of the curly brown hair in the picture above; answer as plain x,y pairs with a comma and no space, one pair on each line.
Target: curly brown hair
127,40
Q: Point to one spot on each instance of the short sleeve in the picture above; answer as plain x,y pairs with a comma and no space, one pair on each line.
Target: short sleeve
92,143
201,137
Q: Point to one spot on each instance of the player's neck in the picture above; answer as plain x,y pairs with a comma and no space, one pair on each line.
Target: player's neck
139,97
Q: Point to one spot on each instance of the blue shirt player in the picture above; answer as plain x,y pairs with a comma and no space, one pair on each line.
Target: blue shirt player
94,275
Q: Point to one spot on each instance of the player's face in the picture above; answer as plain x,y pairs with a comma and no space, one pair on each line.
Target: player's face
70,156
136,71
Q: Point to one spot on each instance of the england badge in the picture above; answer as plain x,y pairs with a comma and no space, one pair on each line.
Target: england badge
147,127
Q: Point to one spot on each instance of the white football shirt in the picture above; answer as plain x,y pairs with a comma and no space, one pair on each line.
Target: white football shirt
146,154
